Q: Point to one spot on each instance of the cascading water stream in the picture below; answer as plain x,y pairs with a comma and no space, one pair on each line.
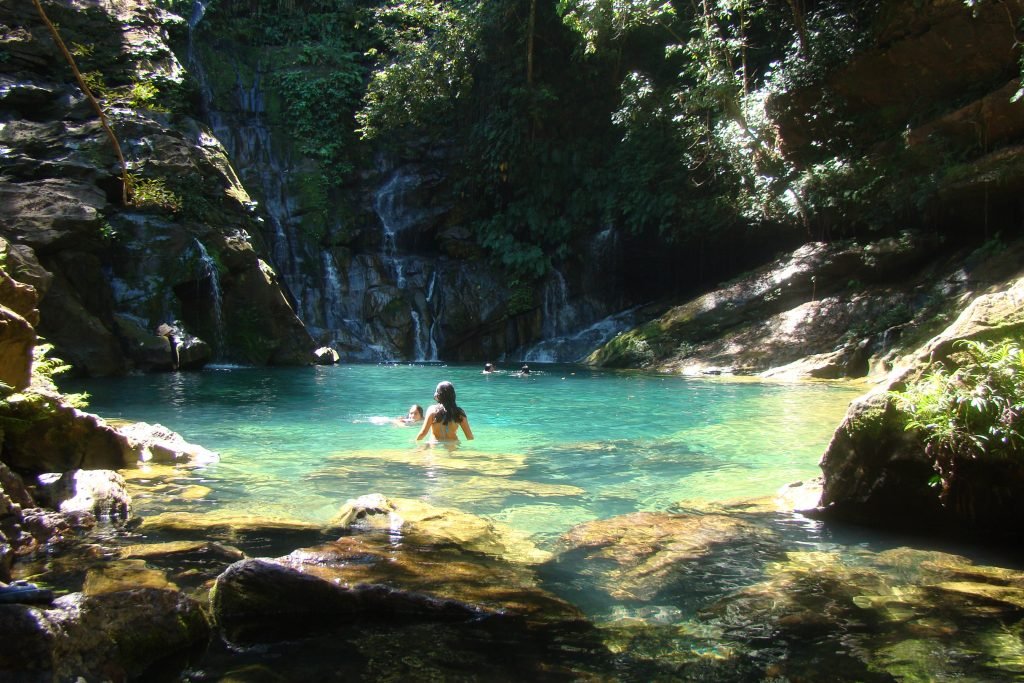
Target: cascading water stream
209,272
332,299
391,203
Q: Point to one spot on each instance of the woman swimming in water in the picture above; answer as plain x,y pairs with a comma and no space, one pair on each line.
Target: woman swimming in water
444,418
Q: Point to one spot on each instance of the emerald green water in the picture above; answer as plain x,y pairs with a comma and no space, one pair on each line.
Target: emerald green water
766,595
559,447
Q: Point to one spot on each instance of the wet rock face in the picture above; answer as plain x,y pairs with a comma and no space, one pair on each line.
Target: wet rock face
114,635
828,306
179,251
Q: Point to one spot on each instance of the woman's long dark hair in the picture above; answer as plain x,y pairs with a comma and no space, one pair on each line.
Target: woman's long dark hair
445,395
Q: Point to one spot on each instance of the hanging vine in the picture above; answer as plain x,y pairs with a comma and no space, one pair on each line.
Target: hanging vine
125,183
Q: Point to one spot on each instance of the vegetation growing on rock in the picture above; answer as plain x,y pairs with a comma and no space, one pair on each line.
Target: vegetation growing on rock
969,411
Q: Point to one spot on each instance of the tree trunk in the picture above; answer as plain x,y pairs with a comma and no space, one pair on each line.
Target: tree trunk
531,26
800,22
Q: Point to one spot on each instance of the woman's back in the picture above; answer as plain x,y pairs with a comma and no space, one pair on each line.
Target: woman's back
444,418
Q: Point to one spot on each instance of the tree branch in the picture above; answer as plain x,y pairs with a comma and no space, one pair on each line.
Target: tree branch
92,99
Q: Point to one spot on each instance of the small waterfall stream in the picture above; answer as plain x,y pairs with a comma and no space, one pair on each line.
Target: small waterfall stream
209,272
395,210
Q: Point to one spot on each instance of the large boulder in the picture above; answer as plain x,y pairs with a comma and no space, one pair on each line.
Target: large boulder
49,435
18,314
101,493
264,591
188,351
158,444
111,636
17,339
878,472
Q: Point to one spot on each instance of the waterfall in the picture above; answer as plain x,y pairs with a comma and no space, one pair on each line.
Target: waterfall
208,271
430,287
559,314
332,299
432,340
418,351
198,12
575,346
391,207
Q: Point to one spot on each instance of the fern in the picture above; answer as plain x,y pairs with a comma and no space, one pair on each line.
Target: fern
973,410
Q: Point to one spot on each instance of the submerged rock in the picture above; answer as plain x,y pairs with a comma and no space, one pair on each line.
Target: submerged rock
902,614
438,526
260,591
644,555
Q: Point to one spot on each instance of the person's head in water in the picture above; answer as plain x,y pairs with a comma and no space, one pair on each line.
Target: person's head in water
415,413
445,395
525,370
488,367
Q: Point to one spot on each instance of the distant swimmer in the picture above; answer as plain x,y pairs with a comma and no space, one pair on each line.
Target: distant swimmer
414,416
524,371
488,368
444,418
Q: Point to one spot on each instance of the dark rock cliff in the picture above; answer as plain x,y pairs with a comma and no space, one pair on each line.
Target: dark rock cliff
181,250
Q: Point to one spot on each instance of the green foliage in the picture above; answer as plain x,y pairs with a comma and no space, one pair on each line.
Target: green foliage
310,58
971,410
154,193
318,104
521,297
602,24
108,233
45,367
19,410
426,58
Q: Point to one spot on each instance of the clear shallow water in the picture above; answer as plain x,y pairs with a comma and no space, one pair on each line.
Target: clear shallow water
562,446
767,596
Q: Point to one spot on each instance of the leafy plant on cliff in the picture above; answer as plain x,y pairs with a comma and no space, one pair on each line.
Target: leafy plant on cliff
19,410
972,410
153,193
